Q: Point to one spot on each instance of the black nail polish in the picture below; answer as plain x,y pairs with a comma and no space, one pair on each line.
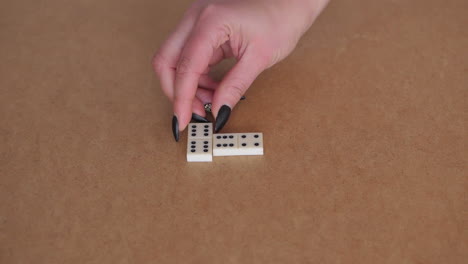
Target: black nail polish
175,128
243,98
199,118
222,118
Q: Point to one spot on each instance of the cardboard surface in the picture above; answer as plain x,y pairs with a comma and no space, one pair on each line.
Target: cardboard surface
364,132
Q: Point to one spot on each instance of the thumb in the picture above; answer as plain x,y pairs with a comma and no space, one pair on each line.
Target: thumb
234,85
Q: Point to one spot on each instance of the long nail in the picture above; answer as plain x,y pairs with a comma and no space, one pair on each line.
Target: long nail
243,98
222,118
175,128
199,118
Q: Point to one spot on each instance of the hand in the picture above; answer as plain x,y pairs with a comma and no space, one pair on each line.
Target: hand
257,33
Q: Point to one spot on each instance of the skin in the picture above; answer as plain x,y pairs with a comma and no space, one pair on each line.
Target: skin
257,33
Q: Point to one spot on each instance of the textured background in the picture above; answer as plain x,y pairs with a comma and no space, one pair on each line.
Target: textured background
365,141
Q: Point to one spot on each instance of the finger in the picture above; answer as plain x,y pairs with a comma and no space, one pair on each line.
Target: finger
237,81
165,60
207,82
218,55
198,107
166,79
193,61
223,52
204,95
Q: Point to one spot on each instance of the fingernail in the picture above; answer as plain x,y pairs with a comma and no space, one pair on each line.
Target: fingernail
243,98
222,118
199,118
175,128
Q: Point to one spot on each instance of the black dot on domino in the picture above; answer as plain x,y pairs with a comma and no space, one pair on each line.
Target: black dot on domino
244,136
193,134
193,146
224,136
256,144
256,136
243,144
194,126
224,145
206,134
206,126
218,145
193,142
194,130
193,150
218,137
231,136
205,150
231,145
205,146
205,142
206,130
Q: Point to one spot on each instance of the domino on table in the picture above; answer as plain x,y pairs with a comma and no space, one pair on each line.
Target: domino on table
200,131
199,150
199,142
251,143
225,145
237,144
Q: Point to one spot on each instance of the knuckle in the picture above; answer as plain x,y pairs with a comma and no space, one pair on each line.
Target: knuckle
265,52
237,89
210,11
183,66
158,63
265,58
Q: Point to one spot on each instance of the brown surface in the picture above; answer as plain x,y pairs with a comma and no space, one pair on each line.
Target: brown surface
365,141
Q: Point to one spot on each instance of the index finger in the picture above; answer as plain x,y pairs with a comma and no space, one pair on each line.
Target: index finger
193,61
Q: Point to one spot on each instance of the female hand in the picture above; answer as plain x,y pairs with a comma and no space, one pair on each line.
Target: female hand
257,33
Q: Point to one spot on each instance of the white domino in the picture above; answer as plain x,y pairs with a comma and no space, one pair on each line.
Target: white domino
200,131
225,144
237,144
199,150
251,143
199,142
202,144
